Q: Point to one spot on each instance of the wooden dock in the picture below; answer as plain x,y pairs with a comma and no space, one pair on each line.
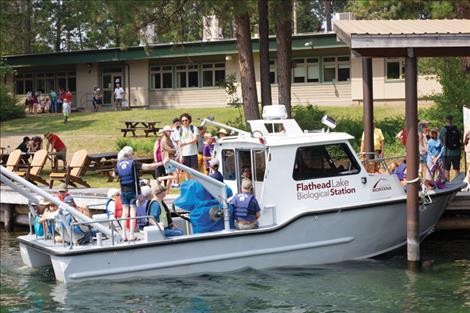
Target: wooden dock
457,214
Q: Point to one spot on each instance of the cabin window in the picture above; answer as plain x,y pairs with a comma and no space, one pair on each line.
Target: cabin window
324,161
228,164
161,77
259,157
395,69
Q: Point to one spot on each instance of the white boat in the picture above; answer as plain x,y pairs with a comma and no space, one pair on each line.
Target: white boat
318,205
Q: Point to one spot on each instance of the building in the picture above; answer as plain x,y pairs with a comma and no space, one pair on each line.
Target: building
187,74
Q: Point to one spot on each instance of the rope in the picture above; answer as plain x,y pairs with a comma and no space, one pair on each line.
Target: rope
414,180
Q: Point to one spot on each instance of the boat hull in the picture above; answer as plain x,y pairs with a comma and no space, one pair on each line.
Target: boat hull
313,238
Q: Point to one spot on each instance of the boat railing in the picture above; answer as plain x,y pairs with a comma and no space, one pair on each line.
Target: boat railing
379,164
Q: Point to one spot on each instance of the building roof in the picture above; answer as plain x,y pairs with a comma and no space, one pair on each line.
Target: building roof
168,50
385,38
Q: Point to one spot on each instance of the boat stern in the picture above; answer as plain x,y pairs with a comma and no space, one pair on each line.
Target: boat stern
32,257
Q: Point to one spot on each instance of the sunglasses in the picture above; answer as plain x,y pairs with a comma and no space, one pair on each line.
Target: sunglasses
185,120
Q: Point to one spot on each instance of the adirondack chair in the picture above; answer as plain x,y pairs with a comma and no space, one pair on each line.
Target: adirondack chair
14,160
74,171
34,169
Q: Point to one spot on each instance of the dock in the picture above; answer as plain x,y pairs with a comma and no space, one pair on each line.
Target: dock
457,214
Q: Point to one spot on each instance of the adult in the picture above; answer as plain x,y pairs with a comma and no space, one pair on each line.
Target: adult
246,173
214,170
246,210
200,146
53,97
207,151
128,170
142,203
160,212
98,99
379,142
60,99
56,145
450,138
423,133
64,196
113,204
188,137
24,147
435,149
93,100
466,142
168,151
222,133
175,138
35,144
67,105
118,96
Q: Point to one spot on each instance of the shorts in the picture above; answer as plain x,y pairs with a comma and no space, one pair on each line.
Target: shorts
454,160
61,154
128,198
191,161
169,169
422,158
160,171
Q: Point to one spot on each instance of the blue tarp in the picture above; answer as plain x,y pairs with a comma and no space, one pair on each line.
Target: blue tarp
195,199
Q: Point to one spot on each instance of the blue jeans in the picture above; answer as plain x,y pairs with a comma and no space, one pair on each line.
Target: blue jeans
128,197
171,232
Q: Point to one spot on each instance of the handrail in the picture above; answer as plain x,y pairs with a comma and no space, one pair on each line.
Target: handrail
204,121
8,175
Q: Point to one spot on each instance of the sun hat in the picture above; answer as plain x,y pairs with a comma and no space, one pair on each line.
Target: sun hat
222,131
43,201
167,128
214,162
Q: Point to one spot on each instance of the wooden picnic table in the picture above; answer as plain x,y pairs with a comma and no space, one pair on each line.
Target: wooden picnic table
147,126
99,161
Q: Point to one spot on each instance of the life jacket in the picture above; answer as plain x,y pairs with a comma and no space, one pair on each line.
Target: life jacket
158,150
62,197
165,215
241,204
126,172
403,136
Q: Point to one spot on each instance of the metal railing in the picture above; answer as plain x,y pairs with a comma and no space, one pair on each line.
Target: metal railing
379,163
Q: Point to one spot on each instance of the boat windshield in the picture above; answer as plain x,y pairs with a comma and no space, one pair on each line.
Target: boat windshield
324,161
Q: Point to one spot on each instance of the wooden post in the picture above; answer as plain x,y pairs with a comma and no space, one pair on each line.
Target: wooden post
412,160
368,116
9,216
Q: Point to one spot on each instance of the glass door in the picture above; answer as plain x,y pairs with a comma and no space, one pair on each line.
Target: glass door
111,77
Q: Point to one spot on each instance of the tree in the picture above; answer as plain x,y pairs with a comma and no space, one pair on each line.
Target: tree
245,60
283,14
264,52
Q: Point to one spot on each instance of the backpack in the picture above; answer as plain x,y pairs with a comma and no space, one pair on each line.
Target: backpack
452,138
158,150
191,127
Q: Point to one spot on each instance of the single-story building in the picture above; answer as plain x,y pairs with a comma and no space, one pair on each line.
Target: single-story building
187,74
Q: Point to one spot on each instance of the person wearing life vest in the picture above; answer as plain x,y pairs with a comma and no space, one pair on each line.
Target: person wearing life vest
450,138
246,210
159,210
63,195
128,171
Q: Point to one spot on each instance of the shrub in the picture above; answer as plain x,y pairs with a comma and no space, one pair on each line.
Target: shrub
9,107
308,117
140,146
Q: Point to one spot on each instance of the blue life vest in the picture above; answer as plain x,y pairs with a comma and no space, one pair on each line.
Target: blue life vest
242,208
125,170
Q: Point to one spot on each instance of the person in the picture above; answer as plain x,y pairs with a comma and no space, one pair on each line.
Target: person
175,138
35,144
93,100
435,149
401,172
41,224
29,101
127,169
379,141
160,212
113,204
24,147
207,151
81,233
246,173
142,202
47,104
450,138
98,99
118,97
423,132
222,133
466,142
169,151
188,137
246,210
53,97
64,196
214,170
67,105
60,99
200,146
55,144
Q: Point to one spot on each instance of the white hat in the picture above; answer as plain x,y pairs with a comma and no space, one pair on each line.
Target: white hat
167,128
222,131
43,201
112,192
214,162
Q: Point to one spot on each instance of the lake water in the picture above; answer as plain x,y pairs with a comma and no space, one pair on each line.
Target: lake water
376,285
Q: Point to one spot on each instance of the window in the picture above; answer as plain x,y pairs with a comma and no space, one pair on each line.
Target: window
305,70
67,81
161,77
324,161
298,70
395,69
228,164
336,69
187,76
213,74
259,157
23,83
272,72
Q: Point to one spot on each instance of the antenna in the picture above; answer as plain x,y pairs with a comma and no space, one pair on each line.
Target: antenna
328,122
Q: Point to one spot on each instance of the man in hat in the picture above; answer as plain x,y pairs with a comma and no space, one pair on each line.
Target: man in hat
64,196
450,138
56,145
222,133
214,170
246,210
159,210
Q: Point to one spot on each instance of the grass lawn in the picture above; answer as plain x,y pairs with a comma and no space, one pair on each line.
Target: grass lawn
98,132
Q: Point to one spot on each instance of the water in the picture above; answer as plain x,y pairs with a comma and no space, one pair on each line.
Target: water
377,285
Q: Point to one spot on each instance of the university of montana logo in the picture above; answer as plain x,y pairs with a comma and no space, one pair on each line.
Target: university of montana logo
381,185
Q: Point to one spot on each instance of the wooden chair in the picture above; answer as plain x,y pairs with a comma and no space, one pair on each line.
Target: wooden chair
14,160
34,169
74,171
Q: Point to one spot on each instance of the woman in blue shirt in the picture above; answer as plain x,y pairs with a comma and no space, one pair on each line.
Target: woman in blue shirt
434,152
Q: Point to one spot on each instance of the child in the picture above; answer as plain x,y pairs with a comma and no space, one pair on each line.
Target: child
66,109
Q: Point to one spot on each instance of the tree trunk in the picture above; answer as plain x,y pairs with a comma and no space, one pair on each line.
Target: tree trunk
247,66
284,51
264,52
328,15
28,19
58,27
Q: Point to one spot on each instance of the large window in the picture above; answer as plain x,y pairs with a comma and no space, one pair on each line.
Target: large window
213,74
336,69
395,69
67,80
272,72
228,164
324,161
45,82
24,83
187,76
305,70
161,77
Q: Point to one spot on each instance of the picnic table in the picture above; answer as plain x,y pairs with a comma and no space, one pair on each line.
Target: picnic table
105,163
146,126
